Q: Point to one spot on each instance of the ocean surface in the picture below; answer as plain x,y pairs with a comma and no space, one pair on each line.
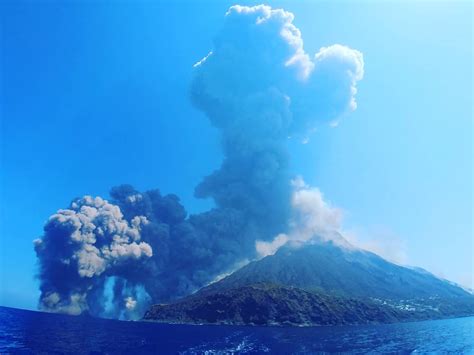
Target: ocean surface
34,332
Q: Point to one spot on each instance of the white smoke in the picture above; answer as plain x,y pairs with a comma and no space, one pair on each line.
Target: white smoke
269,248
313,218
130,303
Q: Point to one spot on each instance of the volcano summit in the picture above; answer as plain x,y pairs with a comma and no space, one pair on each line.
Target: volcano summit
320,283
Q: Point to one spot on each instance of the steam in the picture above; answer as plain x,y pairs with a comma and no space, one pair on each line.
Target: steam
258,87
312,218
130,303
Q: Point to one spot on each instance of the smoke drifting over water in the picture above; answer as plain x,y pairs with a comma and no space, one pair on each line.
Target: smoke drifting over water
258,87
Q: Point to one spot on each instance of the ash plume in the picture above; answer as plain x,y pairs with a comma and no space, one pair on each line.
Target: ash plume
81,246
258,87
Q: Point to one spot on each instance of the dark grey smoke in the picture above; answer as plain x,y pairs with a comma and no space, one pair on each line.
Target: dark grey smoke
258,87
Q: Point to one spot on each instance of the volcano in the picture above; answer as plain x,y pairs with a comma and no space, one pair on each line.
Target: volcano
320,283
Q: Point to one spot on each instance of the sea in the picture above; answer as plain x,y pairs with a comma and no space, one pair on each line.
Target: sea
29,332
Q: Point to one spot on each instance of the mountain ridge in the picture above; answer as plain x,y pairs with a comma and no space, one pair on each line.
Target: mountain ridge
319,283
352,272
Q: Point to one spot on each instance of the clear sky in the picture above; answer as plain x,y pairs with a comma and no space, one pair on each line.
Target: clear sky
95,95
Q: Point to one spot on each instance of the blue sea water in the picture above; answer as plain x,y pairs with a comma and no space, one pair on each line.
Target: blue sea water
35,332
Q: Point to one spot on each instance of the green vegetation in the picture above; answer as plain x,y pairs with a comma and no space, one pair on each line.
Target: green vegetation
319,284
267,304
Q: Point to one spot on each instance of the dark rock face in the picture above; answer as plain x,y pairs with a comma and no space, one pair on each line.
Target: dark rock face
319,284
266,304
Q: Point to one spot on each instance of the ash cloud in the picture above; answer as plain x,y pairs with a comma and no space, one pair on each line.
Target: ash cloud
81,246
258,87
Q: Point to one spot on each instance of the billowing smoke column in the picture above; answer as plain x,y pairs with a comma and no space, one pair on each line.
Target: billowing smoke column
258,87
81,246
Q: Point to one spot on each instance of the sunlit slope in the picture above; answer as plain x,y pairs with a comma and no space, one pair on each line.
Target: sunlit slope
341,270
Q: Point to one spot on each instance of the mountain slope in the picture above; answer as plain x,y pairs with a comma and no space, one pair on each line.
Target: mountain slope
343,271
269,304
319,284
266,304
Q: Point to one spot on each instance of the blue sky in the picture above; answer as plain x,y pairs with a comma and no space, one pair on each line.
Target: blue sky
95,95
